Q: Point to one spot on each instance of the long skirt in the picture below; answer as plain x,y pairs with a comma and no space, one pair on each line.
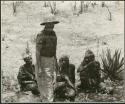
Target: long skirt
45,80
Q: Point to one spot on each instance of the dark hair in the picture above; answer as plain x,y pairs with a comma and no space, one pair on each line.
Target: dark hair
27,58
64,58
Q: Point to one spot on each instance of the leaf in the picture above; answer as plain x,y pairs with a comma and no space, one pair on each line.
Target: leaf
121,63
112,64
119,71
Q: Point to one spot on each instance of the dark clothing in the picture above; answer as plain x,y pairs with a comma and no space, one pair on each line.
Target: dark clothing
64,89
89,75
65,81
70,70
26,79
72,73
46,43
32,87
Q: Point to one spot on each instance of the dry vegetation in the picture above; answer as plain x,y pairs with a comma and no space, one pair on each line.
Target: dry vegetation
82,26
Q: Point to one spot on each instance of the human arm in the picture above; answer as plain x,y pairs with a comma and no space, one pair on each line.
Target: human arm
24,76
69,83
21,74
83,66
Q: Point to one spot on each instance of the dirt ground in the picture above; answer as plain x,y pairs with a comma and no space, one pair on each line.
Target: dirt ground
90,30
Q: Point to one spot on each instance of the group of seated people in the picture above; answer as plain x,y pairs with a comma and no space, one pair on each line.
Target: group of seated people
64,88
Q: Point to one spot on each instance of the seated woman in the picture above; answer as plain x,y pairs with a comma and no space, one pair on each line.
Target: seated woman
26,76
89,71
64,86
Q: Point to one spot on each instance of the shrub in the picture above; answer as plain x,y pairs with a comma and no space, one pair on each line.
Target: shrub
53,8
112,64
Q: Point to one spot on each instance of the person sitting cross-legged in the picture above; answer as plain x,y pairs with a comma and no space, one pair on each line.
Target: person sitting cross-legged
26,76
89,71
64,86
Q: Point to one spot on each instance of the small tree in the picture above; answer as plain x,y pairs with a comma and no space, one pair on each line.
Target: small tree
86,7
74,7
103,4
45,4
110,14
81,7
14,8
53,7
15,4
93,4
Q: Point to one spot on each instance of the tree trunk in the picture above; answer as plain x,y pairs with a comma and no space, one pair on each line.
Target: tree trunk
14,8
110,14
81,7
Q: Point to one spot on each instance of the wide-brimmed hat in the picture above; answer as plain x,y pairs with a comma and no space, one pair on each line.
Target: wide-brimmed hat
50,19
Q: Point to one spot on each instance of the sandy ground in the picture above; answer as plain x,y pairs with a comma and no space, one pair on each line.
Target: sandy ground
91,30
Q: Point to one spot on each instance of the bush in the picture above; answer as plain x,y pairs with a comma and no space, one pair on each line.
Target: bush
112,65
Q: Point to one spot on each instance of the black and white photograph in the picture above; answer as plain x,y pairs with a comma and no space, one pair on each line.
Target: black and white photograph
62,51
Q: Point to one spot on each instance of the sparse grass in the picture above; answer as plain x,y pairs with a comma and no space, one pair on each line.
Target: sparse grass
82,25
9,83
112,64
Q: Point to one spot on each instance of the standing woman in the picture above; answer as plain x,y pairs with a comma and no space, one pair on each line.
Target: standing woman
46,43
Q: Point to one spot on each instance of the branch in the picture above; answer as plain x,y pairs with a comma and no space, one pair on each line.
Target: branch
109,13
